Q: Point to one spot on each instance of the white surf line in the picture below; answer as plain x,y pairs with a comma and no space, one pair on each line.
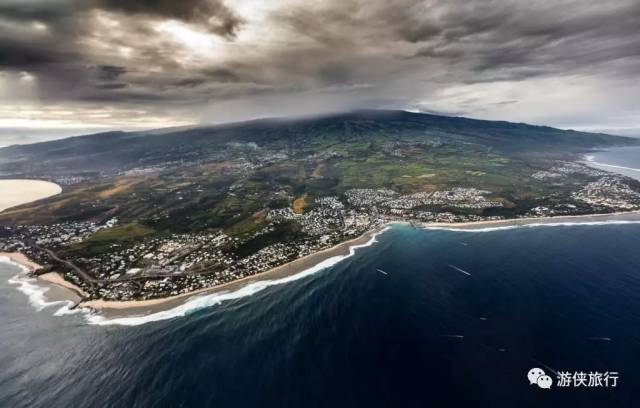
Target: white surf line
453,336
33,289
458,269
381,271
199,302
535,225
613,166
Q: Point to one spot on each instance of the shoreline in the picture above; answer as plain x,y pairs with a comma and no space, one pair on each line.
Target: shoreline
560,219
626,171
127,308
114,308
21,259
53,278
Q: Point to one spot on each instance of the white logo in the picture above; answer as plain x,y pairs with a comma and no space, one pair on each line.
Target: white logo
607,379
537,376
544,381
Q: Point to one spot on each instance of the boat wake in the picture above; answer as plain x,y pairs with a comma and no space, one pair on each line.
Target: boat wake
459,269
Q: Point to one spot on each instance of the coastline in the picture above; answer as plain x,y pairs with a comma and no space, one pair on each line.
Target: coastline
561,219
21,259
53,278
116,309
57,279
624,170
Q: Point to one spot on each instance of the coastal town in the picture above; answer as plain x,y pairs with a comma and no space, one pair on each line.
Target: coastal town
178,263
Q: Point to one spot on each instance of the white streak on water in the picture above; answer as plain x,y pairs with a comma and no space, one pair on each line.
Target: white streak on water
458,269
204,301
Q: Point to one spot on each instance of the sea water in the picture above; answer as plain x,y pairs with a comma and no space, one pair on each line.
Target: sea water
623,160
560,298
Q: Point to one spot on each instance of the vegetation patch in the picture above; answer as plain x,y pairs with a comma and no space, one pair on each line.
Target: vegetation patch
300,203
102,240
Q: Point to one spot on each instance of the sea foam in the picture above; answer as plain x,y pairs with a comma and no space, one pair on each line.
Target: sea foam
34,290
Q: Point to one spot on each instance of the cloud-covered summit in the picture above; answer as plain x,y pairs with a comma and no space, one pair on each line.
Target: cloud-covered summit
137,63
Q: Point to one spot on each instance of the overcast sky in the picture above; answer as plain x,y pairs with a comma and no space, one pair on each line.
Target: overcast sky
86,65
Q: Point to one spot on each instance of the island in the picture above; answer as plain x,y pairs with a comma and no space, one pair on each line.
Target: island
146,216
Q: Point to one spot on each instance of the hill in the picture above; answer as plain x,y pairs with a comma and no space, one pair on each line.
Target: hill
115,152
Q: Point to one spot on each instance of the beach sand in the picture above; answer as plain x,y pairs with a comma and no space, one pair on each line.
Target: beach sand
17,192
21,259
114,309
56,279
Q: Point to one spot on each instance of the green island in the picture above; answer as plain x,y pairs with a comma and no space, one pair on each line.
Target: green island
147,215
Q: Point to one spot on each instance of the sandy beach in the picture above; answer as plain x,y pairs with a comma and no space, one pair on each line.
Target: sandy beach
21,259
56,279
114,309
18,192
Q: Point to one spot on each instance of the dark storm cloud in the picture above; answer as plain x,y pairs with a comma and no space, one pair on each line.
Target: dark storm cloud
212,14
19,55
110,72
547,38
27,10
332,54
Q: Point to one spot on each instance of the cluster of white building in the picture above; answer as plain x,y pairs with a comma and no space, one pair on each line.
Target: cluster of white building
564,169
458,197
610,192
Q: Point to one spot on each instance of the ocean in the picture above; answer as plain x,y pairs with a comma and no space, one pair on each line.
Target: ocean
418,318
623,160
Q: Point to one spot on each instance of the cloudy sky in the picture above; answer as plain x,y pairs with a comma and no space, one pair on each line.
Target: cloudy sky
72,66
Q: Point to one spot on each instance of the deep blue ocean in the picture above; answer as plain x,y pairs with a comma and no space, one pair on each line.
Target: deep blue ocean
426,334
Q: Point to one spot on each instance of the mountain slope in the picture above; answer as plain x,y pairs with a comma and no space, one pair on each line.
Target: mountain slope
116,151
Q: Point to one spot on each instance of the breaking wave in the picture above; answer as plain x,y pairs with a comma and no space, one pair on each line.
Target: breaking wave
35,291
